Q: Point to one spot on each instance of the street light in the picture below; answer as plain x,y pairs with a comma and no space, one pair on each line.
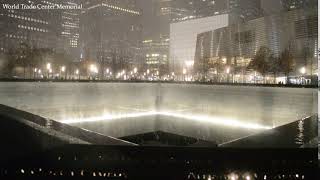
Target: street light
93,68
78,73
63,68
303,70
135,70
35,72
228,70
48,66
184,72
148,71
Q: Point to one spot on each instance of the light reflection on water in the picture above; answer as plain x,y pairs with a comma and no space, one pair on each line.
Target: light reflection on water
300,136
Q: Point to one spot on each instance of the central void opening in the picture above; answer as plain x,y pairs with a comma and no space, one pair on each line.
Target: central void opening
171,129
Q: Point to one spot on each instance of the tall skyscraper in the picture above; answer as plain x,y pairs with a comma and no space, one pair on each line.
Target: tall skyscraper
244,10
110,32
155,55
181,10
38,28
70,22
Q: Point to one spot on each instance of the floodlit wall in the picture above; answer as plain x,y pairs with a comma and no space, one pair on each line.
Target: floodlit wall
183,37
105,101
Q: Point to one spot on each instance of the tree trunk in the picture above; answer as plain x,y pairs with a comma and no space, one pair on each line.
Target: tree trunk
24,72
287,78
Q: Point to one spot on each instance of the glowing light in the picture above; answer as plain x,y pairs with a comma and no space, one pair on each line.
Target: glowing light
224,60
303,70
110,117
35,69
63,68
135,70
228,70
148,71
77,71
184,71
207,119
189,63
217,120
93,68
48,66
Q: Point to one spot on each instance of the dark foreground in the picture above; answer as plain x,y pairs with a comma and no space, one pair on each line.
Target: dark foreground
136,162
45,149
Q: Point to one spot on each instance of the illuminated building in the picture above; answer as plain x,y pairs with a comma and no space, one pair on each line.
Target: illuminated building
37,28
110,32
183,37
70,20
236,45
156,54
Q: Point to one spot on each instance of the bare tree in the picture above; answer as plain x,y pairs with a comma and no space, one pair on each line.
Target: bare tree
274,66
9,62
286,62
306,53
218,66
260,61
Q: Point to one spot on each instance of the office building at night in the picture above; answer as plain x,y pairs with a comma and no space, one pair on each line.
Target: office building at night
70,20
155,55
39,29
236,45
113,35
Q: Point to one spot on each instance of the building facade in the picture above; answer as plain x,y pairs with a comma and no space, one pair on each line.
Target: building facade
236,45
39,29
110,33
70,22
155,54
183,38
